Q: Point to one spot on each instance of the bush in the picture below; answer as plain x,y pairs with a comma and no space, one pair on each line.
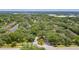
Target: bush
1,43
2,30
68,42
13,44
76,40
6,38
30,46
55,39
41,41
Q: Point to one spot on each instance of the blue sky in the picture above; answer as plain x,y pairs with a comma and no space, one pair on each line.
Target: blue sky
39,9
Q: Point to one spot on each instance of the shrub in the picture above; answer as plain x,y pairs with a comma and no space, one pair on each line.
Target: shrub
1,43
30,46
76,40
55,39
2,30
68,42
13,44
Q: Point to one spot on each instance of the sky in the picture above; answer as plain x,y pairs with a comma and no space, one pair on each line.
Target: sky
39,9
39,4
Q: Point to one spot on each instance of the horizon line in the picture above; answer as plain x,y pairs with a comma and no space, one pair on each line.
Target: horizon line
39,9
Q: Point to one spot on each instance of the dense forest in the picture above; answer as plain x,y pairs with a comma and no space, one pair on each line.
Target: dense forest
18,29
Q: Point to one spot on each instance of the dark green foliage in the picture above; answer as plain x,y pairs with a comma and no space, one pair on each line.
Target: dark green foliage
1,43
13,44
29,46
55,39
58,30
2,30
76,40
